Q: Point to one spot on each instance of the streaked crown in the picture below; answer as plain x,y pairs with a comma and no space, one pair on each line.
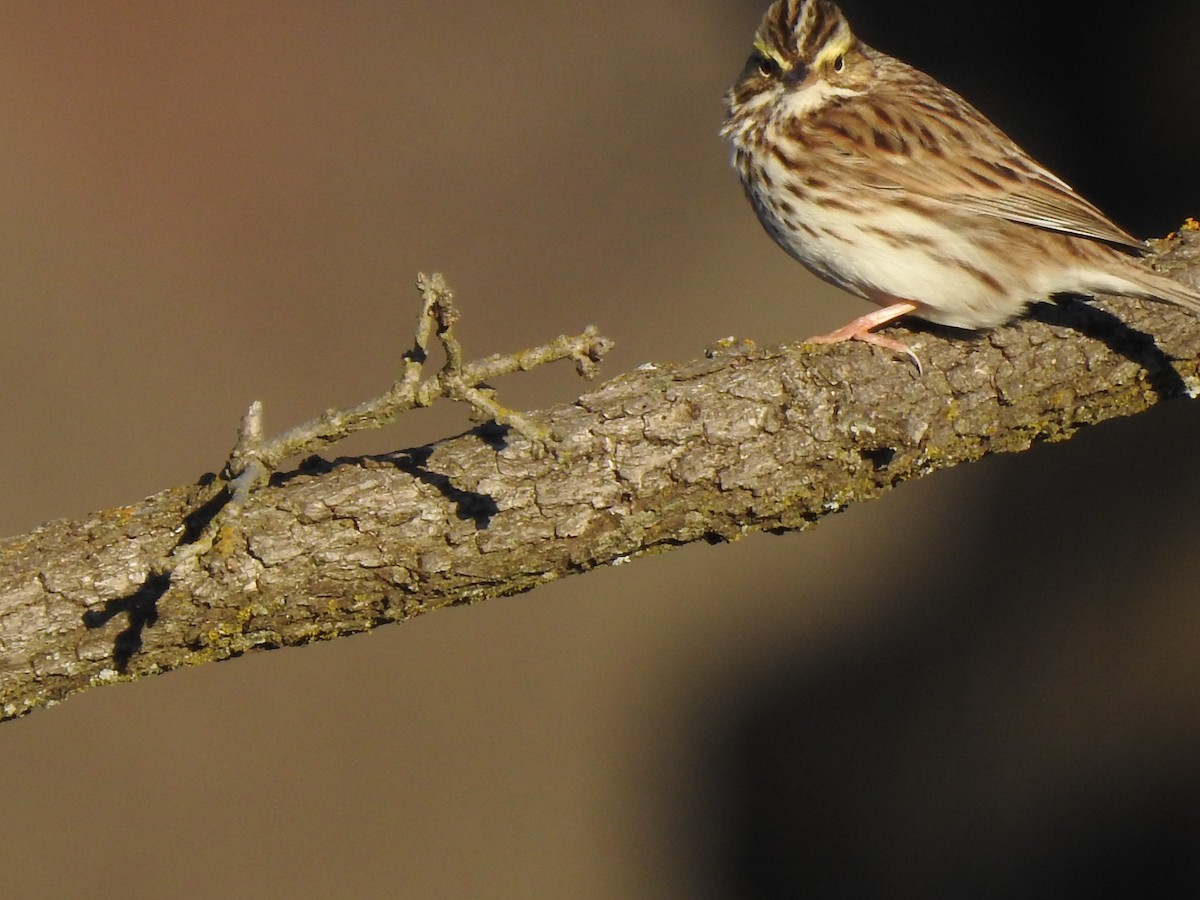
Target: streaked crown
802,32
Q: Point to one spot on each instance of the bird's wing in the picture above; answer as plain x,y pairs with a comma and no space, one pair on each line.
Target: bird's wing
932,144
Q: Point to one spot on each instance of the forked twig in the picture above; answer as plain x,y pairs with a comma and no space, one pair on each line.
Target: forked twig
253,458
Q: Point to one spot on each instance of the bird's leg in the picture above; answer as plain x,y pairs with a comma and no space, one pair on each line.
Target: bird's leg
860,330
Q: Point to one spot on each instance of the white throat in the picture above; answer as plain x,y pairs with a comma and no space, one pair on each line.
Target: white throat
809,98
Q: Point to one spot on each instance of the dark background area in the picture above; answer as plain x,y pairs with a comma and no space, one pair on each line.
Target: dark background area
980,685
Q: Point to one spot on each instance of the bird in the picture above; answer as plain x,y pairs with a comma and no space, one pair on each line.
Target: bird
886,183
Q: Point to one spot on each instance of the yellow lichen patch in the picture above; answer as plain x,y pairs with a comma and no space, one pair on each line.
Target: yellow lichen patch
731,342
225,544
220,636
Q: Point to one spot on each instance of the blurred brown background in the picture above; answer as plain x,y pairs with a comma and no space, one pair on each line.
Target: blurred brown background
982,685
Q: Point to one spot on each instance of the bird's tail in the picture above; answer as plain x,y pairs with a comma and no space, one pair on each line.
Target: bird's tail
1140,281
1164,288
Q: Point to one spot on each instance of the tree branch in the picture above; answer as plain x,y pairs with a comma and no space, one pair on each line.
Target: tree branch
740,441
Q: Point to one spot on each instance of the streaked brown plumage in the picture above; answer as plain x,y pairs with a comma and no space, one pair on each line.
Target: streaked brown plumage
888,184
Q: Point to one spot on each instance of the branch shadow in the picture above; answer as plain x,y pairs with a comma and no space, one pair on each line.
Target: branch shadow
414,461
141,606
1077,314
477,507
1069,311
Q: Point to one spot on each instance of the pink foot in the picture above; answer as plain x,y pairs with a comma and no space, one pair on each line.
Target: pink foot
860,330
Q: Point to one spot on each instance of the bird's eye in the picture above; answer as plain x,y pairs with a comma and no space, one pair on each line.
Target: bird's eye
839,64
766,65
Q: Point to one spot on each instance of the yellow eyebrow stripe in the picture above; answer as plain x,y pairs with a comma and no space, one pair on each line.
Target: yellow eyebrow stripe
772,54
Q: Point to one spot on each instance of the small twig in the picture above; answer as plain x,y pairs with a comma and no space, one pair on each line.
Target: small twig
253,459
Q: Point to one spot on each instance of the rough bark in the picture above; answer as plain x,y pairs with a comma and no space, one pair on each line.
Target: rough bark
742,440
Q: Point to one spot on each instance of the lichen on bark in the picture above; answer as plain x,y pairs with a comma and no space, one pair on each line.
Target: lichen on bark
741,440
